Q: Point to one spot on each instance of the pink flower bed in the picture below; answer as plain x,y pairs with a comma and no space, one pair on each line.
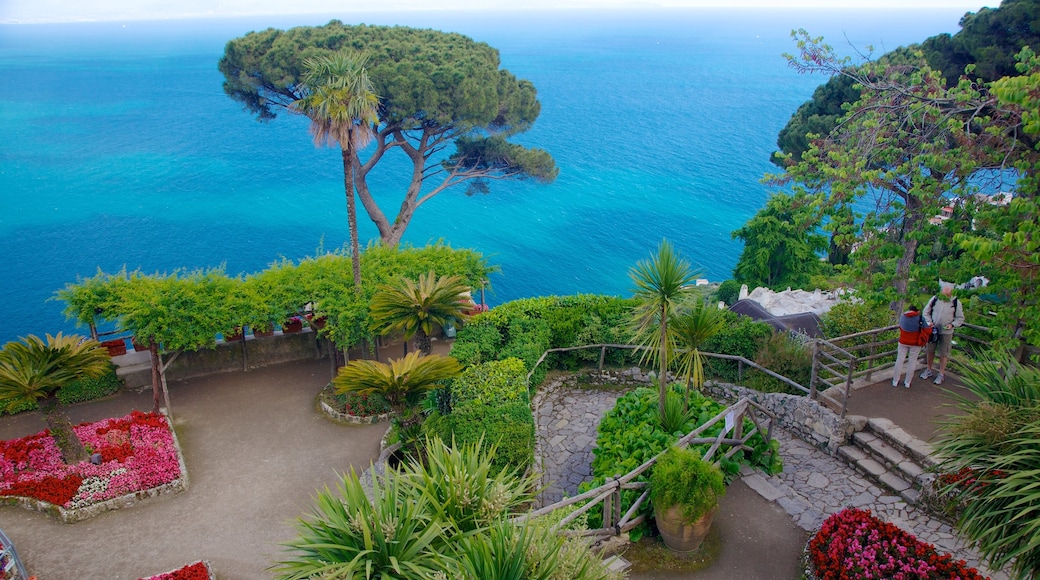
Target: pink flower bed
853,544
137,453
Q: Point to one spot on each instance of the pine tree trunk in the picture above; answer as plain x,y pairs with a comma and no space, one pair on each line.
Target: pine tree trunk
68,443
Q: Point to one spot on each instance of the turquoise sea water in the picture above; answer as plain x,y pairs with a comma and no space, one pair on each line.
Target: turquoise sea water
118,147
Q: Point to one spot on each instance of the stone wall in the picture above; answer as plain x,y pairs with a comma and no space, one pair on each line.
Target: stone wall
809,420
246,354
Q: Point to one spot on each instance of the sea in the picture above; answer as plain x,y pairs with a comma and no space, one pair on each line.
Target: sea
118,148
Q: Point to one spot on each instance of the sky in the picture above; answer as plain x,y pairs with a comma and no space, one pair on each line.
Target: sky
39,11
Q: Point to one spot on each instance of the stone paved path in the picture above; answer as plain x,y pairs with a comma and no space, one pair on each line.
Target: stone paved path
812,485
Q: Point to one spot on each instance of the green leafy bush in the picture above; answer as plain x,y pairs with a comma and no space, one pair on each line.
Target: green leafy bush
492,382
849,317
784,355
741,337
728,292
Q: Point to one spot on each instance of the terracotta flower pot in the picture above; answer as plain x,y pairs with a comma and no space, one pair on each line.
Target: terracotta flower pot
265,331
319,322
139,346
115,347
236,335
680,534
292,325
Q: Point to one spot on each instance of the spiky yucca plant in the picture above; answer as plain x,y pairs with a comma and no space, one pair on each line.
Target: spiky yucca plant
997,439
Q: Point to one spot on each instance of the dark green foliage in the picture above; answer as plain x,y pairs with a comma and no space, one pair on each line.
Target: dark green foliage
817,116
509,426
728,292
781,246
784,355
741,337
680,478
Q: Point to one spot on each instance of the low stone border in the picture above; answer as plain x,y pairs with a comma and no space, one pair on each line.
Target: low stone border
335,415
71,516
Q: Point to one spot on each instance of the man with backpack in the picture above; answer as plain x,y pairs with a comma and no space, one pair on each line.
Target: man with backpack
943,313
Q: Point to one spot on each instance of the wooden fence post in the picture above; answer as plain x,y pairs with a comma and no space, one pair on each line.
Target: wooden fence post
608,506
815,368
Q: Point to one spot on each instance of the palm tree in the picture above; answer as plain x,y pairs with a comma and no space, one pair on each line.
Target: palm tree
343,108
32,371
692,327
402,383
661,283
414,309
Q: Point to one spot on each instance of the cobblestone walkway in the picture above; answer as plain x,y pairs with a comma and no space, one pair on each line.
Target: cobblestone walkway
812,486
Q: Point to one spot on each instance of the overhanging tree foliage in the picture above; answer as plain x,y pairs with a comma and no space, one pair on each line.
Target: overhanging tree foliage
780,244
988,40
435,90
908,146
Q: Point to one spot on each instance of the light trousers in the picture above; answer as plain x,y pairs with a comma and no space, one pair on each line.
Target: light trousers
901,354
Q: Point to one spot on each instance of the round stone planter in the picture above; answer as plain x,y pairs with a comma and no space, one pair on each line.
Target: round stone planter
681,535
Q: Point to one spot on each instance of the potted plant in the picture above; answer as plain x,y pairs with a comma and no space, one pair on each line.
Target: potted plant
140,344
685,493
234,335
262,329
292,324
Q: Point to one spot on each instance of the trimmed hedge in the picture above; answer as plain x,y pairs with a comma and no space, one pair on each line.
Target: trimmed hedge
492,382
742,337
509,426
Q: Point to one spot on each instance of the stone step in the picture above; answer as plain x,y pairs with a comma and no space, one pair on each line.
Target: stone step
920,451
892,459
875,471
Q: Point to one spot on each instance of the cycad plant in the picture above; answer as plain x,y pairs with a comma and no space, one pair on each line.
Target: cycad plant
997,442
33,371
662,282
415,308
695,323
403,383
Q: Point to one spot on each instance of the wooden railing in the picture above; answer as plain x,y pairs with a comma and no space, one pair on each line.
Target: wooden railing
609,494
741,361
840,362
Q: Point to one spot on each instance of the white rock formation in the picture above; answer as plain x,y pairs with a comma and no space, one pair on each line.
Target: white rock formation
795,301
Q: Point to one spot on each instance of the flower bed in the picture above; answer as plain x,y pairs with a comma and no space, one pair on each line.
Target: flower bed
853,544
138,453
354,407
195,571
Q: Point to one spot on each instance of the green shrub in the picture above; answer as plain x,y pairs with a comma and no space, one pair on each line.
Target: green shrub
81,390
742,337
784,355
526,328
728,292
492,382
849,317
509,426
680,478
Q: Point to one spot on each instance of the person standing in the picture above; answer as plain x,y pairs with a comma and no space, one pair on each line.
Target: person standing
943,313
910,324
